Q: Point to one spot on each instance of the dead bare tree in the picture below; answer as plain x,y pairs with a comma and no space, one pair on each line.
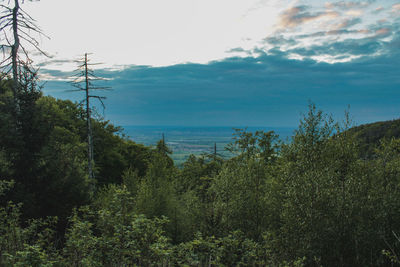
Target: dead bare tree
84,81
16,34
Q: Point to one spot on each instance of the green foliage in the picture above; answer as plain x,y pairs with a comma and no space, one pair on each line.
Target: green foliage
197,173
114,155
370,135
321,199
155,194
43,149
80,246
237,250
260,144
240,190
30,255
198,252
112,234
132,180
197,200
164,151
56,180
241,187
32,245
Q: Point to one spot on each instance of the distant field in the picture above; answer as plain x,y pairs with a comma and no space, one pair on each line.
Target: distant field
192,140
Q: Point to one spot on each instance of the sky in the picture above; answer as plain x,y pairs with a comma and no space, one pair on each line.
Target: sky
226,62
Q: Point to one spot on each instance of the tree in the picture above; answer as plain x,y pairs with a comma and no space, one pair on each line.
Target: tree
17,27
241,187
261,145
84,82
110,233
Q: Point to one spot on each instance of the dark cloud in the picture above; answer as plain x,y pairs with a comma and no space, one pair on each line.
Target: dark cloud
56,62
56,73
239,50
349,4
321,34
279,40
369,41
358,47
268,90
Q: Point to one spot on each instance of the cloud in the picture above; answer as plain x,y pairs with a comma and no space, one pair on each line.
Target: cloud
396,9
293,43
378,10
298,15
337,50
334,55
57,62
354,13
48,77
368,46
321,34
280,40
239,51
349,35
347,23
363,31
60,64
335,45
269,89
348,4
383,32
50,74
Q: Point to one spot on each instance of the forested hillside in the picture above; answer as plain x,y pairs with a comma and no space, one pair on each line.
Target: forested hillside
313,201
370,135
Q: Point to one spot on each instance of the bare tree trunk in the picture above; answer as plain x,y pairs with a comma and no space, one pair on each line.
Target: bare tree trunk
14,52
83,82
89,125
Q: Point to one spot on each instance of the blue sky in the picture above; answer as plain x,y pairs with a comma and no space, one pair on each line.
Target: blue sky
231,63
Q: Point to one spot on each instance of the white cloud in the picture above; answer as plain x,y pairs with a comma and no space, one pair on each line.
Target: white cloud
354,13
159,32
152,32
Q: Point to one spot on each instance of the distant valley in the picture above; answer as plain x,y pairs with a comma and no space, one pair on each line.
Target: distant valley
194,140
